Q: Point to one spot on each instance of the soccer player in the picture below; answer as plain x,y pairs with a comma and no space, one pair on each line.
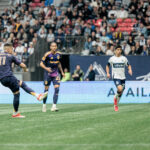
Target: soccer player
51,63
9,80
118,63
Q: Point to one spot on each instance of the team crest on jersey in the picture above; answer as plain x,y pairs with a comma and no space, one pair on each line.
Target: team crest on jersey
58,57
52,58
117,82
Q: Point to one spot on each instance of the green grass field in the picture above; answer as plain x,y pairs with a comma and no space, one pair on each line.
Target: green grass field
76,127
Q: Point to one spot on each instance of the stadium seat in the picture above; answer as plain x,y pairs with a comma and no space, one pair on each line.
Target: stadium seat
131,24
134,20
33,5
128,30
119,20
98,22
128,20
37,1
112,29
122,24
93,21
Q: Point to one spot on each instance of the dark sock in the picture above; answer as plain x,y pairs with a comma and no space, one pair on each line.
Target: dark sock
27,89
119,94
16,101
45,99
55,97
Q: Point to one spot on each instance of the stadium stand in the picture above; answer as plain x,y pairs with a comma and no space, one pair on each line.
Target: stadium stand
71,22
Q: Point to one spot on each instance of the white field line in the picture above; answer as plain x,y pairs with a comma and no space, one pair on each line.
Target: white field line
56,144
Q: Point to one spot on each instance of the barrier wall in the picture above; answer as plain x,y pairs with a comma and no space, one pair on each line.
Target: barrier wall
140,66
84,92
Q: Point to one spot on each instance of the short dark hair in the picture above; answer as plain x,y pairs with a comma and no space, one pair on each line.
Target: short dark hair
8,44
52,43
118,46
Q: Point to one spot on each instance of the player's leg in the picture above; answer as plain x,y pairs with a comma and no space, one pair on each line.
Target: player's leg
56,83
45,99
32,92
120,90
47,83
12,83
118,94
55,98
16,114
117,97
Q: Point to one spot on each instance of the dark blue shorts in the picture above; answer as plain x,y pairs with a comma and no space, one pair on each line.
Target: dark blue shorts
119,82
11,82
55,80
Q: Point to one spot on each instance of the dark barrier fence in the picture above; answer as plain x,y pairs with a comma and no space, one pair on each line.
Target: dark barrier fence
140,66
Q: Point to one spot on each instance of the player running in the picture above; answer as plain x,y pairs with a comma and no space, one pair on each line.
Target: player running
118,63
51,63
9,80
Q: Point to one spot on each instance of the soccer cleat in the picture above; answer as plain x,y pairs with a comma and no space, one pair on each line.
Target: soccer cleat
18,116
54,109
116,108
42,96
115,104
44,108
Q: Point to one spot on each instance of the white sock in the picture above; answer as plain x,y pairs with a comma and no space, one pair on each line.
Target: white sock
15,112
54,105
44,105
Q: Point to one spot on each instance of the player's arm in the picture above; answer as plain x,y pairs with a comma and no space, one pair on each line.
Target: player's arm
130,70
129,67
42,63
45,68
19,63
24,67
108,70
61,70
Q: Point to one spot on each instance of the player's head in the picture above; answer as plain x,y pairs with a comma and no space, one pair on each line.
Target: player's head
53,46
8,47
118,50
91,67
77,67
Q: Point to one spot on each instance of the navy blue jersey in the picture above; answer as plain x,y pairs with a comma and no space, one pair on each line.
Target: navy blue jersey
52,61
6,61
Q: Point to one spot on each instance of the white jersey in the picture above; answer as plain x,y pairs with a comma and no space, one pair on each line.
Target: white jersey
118,66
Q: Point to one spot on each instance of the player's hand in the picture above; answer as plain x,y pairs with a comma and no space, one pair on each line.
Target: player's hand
108,75
76,75
63,74
48,70
130,72
25,69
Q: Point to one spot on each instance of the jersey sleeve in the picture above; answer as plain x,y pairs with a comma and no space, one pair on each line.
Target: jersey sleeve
126,62
109,61
45,57
15,60
59,55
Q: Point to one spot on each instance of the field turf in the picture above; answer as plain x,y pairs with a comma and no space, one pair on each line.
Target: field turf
76,127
